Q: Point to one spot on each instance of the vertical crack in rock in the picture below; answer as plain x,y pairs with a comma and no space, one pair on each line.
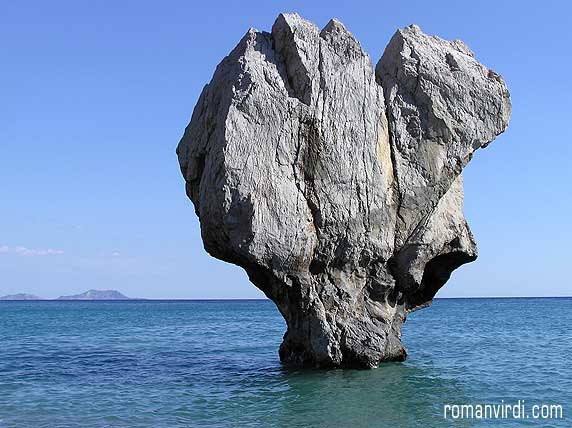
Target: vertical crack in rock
338,189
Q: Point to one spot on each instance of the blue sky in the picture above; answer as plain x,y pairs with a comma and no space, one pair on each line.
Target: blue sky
95,96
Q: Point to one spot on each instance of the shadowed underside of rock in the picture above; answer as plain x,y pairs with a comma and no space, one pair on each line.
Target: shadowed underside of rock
336,187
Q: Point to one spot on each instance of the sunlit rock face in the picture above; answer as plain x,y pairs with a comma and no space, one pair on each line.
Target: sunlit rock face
337,186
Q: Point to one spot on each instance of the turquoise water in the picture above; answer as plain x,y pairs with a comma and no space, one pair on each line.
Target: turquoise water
215,364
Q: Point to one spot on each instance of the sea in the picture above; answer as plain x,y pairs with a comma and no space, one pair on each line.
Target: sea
215,364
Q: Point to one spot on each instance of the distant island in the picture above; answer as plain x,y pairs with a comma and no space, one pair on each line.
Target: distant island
21,296
88,295
96,295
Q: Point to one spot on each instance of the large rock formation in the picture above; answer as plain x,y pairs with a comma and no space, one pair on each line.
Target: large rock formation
338,189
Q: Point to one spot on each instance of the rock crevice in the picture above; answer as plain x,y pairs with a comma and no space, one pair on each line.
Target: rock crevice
336,187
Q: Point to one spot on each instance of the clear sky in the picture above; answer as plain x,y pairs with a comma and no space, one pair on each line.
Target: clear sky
95,95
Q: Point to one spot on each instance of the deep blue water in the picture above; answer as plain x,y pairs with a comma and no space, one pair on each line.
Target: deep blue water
215,364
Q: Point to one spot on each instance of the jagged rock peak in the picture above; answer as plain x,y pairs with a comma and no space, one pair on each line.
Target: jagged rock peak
338,189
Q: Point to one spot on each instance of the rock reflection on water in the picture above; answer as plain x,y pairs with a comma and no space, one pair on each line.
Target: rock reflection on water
394,394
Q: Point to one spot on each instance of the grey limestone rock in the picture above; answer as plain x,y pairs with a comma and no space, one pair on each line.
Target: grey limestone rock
336,187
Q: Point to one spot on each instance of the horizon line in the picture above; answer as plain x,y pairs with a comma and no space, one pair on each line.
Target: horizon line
184,299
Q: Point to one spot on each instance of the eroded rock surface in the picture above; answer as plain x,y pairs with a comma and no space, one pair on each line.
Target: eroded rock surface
336,187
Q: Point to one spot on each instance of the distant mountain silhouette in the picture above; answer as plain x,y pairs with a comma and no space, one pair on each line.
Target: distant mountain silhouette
21,296
96,295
